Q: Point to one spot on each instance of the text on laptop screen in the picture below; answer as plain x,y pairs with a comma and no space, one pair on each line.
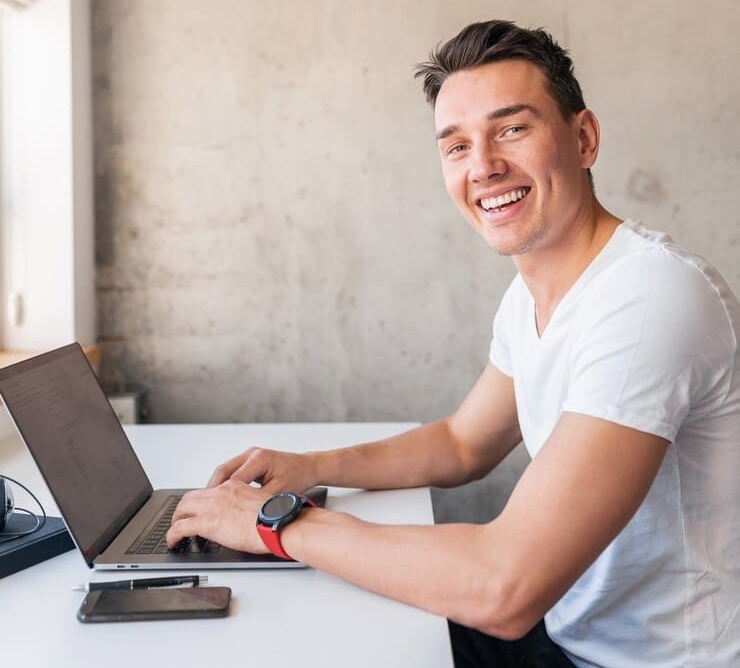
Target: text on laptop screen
94,484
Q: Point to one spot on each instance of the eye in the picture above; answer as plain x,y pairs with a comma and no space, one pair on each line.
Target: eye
455,148
514,130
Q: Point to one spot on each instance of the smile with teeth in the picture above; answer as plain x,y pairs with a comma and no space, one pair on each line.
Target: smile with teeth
497,203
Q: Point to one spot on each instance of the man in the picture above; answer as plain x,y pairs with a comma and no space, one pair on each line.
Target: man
614,358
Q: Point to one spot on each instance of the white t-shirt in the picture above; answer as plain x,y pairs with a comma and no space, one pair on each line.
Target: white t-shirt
648,338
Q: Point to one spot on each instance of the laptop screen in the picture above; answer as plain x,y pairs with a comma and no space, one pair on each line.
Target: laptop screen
77,441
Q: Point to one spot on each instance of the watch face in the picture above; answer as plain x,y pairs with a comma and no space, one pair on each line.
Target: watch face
279,506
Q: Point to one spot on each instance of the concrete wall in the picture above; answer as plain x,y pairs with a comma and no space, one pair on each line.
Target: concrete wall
273,238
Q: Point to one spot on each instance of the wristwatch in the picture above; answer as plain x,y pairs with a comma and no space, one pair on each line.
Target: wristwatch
274,514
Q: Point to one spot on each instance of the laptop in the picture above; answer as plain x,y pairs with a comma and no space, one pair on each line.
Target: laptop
104,496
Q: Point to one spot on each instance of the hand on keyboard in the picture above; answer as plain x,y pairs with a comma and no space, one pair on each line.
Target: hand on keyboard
195,545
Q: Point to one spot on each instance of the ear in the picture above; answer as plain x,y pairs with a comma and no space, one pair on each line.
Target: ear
589,133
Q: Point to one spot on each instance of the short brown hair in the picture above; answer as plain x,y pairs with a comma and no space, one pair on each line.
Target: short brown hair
491,41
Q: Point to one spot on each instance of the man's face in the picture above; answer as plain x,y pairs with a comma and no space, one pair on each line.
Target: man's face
511,163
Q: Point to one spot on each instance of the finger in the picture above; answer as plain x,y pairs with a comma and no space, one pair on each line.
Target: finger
274,486
191,503
250,472
252,466
244,467
183,528
223,471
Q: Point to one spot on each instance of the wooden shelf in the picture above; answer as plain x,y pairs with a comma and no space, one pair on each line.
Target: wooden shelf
8,357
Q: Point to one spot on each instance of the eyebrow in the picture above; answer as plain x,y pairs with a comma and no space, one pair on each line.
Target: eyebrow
498,114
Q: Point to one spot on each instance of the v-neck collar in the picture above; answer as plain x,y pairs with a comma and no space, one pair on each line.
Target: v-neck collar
577,287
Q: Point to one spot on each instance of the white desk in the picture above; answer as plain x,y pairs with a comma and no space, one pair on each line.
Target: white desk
278,618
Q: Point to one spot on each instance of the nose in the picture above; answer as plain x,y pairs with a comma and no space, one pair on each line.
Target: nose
487,164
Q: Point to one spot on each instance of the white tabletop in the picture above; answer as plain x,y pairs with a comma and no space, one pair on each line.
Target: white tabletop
277,618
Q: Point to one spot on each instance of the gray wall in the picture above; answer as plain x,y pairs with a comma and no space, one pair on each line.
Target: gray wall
273,238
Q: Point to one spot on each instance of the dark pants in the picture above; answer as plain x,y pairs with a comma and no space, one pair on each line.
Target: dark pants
473,649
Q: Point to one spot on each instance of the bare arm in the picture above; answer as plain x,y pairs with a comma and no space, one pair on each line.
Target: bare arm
578,493
462,447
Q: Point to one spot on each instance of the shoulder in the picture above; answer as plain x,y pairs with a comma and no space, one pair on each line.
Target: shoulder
639,249
662,315
646,272
654,334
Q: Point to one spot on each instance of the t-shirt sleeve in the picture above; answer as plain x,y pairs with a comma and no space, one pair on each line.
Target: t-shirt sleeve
649,346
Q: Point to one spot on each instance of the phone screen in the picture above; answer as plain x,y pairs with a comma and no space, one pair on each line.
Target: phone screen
115,605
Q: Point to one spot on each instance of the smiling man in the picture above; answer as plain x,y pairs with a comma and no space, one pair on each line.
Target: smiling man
514,169
614,358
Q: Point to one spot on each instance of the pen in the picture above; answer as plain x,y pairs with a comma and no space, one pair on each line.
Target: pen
144,583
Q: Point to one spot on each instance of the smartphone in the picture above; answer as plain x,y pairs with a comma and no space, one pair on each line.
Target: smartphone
116,605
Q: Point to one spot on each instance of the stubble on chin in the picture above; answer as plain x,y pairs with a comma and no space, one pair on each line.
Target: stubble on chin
514,247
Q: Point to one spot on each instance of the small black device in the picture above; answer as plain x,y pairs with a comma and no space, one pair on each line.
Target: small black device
27,538
22,549
116,605
6,503
9,511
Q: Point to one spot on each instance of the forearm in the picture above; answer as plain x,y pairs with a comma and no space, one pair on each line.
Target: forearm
503,576
427,455
434,454
449,570
463,447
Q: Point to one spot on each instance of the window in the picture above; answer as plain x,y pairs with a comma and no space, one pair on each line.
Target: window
6,427
8,11
47,180
3,98
11,311
46,176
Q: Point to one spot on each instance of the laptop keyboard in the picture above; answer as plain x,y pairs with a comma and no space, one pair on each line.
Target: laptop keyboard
152,539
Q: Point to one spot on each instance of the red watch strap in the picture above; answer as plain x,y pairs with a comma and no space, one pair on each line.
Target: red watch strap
271,538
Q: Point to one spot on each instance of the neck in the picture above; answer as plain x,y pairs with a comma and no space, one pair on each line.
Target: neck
550,270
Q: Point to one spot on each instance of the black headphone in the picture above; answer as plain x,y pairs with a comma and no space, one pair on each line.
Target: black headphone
6,503
7,507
